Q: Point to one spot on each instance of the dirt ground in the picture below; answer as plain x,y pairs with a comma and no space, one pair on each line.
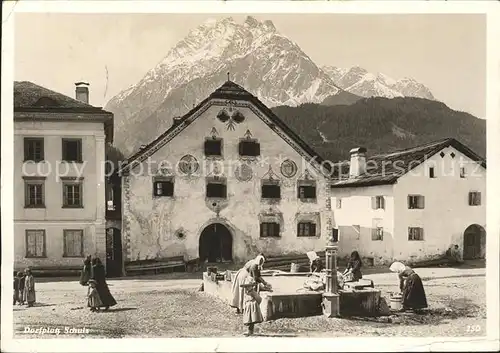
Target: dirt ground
171,306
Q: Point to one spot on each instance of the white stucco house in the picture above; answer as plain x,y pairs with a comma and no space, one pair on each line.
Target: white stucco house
226,181
411,205
59,199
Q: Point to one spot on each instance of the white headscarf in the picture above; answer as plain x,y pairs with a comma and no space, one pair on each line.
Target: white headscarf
260,260
397,267
312,255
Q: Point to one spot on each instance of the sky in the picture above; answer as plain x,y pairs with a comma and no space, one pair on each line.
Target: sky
445,52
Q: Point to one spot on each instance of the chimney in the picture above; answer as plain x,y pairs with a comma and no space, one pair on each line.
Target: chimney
357,165
82,92
177,120
142,147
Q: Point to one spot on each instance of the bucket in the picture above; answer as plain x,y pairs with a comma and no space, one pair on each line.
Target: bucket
396,302
294,268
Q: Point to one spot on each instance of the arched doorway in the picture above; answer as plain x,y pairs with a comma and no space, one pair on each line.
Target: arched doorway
113,252
216,244
474,242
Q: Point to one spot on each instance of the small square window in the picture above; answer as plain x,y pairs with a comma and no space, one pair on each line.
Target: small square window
378,202
216,190
213,147
249,148
474,198
442,154
33,149
416,202
163,187
269,230
72,150
306,192
271,191
415,233
306,229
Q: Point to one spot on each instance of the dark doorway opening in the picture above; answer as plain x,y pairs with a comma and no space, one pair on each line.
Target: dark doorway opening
216,244
474,242
113,252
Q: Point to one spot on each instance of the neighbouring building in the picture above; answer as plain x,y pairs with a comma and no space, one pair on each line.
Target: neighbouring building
59,155
412,204
226,181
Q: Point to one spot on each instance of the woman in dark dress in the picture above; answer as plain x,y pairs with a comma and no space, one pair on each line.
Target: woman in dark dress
353,270
411,287
99,275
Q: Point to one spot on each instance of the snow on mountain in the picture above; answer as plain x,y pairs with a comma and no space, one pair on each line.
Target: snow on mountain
359,81
258,57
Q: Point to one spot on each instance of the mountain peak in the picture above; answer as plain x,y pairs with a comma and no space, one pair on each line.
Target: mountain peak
266,26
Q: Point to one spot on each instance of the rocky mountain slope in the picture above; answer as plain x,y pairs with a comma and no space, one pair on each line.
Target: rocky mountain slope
258,57
358,81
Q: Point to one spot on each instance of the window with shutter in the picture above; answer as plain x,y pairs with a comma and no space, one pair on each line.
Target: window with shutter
35,243
73,243
378,202
72,150
33,149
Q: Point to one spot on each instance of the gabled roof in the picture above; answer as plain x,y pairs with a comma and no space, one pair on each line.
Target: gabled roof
231,91
388,168
29,97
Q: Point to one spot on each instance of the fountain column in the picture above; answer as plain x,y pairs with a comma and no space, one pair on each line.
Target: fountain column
331,299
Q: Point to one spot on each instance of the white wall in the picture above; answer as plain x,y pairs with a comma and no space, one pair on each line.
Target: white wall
356,209
447,212
150,224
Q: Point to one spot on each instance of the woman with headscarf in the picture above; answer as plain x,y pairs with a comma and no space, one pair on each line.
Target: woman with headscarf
99,275
411,287
353,271
252,268
86,273
315,262
29,288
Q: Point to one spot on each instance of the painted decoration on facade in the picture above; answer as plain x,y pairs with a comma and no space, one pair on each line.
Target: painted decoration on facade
288,168
243,172
230,117
188,165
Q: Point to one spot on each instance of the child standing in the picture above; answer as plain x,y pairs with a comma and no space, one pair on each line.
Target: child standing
29,288
94,301
16,289
20,297
251,313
